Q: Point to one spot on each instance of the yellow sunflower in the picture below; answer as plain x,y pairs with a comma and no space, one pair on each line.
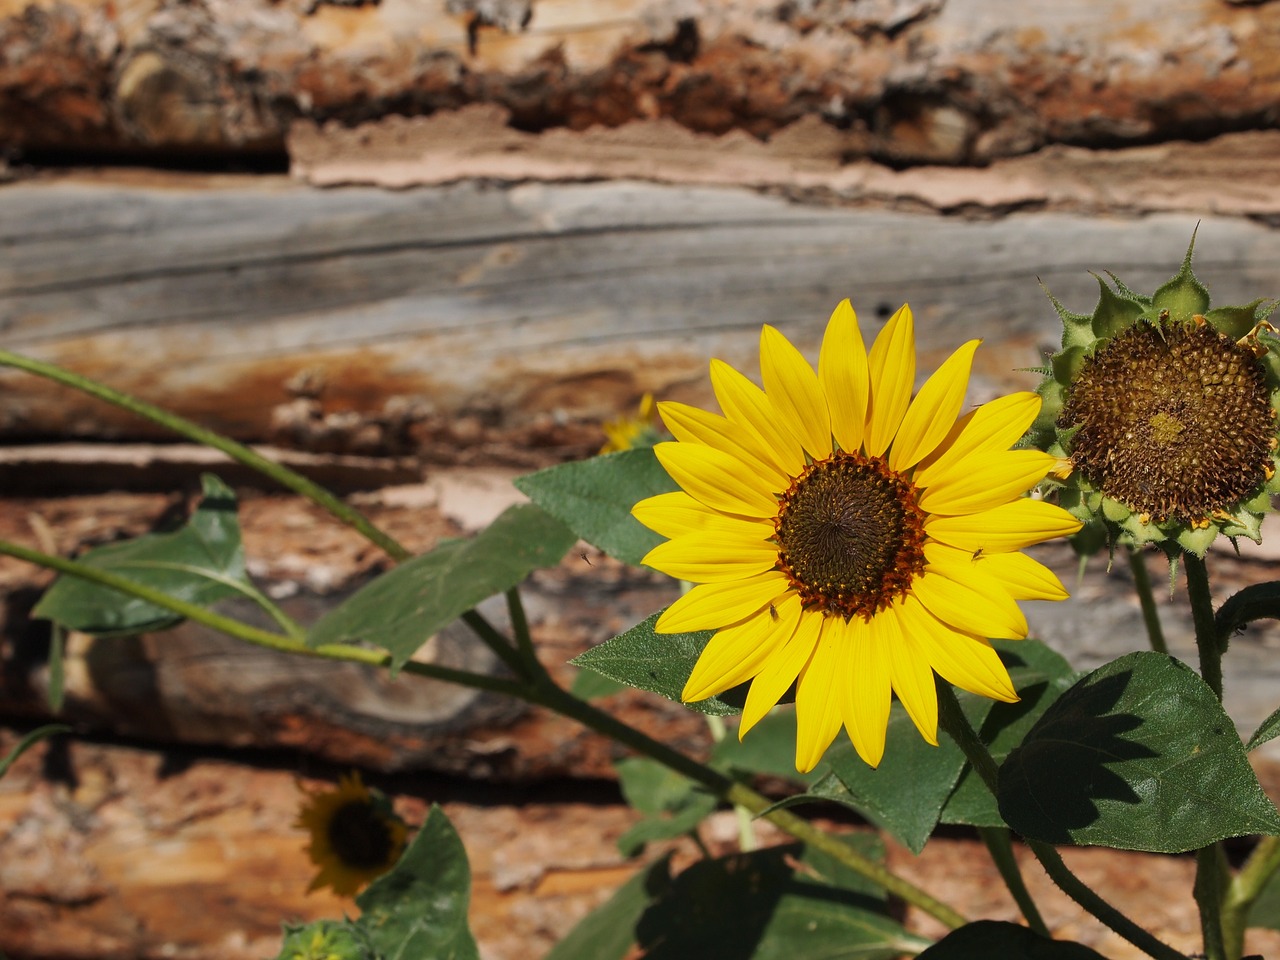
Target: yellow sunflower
849,539
355,835
629,433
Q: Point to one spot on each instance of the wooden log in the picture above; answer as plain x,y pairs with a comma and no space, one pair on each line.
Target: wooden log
907,81
507,323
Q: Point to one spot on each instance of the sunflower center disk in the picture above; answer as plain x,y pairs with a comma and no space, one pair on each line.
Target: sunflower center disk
360,836
850,535
1174,422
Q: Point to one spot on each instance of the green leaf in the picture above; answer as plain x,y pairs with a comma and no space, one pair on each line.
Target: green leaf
1040,676
906,793
589,685
419,909
755,905
594,498
201,563
29,741
402,609
656,662
1008,941
327,940
1238,321
1182,295
608,932
1265,911
1269,730
673,804
1137,755
769,748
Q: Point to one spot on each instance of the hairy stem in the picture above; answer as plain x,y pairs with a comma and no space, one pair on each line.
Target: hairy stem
1150,616
1000,846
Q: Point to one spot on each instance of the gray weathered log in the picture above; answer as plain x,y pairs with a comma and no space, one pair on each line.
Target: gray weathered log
515,319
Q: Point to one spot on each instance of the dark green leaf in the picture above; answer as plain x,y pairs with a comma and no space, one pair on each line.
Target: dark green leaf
1269,730
657,662
1040,676
906,793
402,609
29,741
608,932
673,804
202,562
988,939
1137,755
594,498
757,906
419,909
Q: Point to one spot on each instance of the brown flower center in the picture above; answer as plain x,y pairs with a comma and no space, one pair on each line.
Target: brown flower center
850,535
1174,421
360,836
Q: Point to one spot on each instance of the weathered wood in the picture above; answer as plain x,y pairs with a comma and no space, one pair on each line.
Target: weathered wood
903,80
516,319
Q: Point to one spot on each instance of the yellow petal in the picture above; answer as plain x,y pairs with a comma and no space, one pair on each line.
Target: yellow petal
792,385
747,405
992,479
819,691
710,606
1010,526
968,661
933,412
842,371
701,426
781,669
912,675
716,479
736,654
676,514
1024,578
865,706
987,614
712,557
892,368
997,425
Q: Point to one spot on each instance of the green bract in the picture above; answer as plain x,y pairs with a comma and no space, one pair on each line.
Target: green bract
1165,410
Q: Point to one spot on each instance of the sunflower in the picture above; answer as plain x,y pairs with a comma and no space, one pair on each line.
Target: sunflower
628,433
355,835
1165,410
849,539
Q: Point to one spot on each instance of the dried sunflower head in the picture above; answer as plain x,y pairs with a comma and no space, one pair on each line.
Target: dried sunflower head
1166,411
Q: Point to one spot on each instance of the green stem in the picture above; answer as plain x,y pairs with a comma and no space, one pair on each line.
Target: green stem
1000,846
952,719
540,691
236,451
1150,616
1207,642
1244,889
520,630
1209,891
254,635
1211,868
741,795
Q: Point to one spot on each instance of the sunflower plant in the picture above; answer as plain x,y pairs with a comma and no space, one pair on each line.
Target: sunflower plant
849,544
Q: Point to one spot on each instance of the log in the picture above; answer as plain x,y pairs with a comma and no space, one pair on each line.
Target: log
903,81
466,323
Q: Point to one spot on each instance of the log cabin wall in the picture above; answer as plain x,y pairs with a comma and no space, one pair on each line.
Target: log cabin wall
423,246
